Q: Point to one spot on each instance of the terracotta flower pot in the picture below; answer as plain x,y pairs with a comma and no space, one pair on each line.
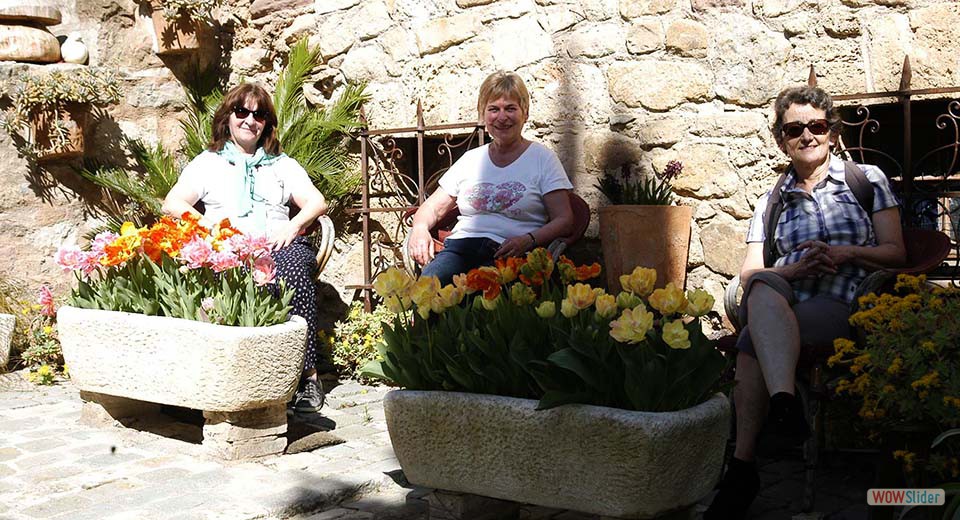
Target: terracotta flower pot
173,36
47,124
657,237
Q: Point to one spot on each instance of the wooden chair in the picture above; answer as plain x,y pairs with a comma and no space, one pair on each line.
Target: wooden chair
321,233
926,249
442,229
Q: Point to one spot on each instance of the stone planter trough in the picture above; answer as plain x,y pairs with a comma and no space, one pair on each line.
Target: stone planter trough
7,323
593,459
241,377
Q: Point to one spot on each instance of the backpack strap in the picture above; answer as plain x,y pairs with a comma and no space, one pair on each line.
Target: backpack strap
860,185
770,218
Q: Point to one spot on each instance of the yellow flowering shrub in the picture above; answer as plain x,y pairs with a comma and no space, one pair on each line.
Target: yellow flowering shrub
905,368
536,328
354,341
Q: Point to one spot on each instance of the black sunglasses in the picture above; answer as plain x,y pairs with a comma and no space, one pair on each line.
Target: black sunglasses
242,113
794,129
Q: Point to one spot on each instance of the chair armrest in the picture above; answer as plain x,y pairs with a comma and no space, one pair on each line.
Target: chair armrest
324,242
556,248
731,302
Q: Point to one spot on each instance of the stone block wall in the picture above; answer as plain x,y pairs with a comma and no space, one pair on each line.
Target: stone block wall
613,83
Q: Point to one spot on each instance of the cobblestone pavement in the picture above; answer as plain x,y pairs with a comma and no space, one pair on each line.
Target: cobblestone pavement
53,467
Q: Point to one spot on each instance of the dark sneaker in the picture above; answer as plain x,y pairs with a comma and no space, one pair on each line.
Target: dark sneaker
310,399
292,401
786,427
736,492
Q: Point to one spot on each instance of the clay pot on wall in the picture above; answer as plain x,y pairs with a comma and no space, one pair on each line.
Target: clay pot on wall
58,134
657,237
173,35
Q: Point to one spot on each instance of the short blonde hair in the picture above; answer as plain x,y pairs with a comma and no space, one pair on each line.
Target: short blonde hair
503,84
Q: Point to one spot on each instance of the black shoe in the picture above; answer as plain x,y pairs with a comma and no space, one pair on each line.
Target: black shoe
310,399
786,427
736,492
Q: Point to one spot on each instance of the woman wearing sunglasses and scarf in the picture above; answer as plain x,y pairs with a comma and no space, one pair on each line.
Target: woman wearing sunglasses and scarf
799,292
244,176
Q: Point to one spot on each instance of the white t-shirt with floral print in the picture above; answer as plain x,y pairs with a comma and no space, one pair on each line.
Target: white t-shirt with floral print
498,203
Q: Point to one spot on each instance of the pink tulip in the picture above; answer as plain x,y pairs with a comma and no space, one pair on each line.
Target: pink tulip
222,260
196,252
264,270
102,240
45,299
70,258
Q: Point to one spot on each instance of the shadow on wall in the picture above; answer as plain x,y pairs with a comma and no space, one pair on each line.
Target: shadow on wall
616,153
52,180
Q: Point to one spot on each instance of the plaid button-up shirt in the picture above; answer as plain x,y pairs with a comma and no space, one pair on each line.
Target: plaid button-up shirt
830,214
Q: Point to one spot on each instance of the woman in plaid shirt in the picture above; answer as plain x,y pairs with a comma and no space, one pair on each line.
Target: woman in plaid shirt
825,242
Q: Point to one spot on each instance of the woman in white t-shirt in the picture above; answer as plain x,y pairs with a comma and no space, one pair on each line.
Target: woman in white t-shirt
513,194
245,177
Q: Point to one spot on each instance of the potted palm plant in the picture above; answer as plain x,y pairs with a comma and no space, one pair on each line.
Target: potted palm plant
642,227
555,394
54,107
177,23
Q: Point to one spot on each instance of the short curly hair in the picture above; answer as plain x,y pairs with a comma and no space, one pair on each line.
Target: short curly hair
803,95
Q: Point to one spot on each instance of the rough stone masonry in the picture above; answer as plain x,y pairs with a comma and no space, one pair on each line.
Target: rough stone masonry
613,83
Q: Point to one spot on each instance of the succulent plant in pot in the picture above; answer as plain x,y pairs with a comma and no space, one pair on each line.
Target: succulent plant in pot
54,107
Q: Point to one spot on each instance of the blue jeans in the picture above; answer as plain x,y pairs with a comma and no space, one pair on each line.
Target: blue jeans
460,255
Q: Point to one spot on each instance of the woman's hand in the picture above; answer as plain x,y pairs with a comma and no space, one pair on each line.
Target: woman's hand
816,260
285,236
420,245
515,246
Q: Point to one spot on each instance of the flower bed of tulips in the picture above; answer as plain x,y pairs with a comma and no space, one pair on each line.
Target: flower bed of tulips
180,269
531,328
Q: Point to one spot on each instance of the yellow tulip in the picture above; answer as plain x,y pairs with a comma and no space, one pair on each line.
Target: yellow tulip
606,306
568,309
522,295
445,298
547,309
675,335
392,282
640,281
699,302
581,295
489,304
669,300
632,325
627,300
396,304
423,291
129,229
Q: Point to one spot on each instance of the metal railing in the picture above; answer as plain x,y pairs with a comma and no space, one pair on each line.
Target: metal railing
929,187
387,187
